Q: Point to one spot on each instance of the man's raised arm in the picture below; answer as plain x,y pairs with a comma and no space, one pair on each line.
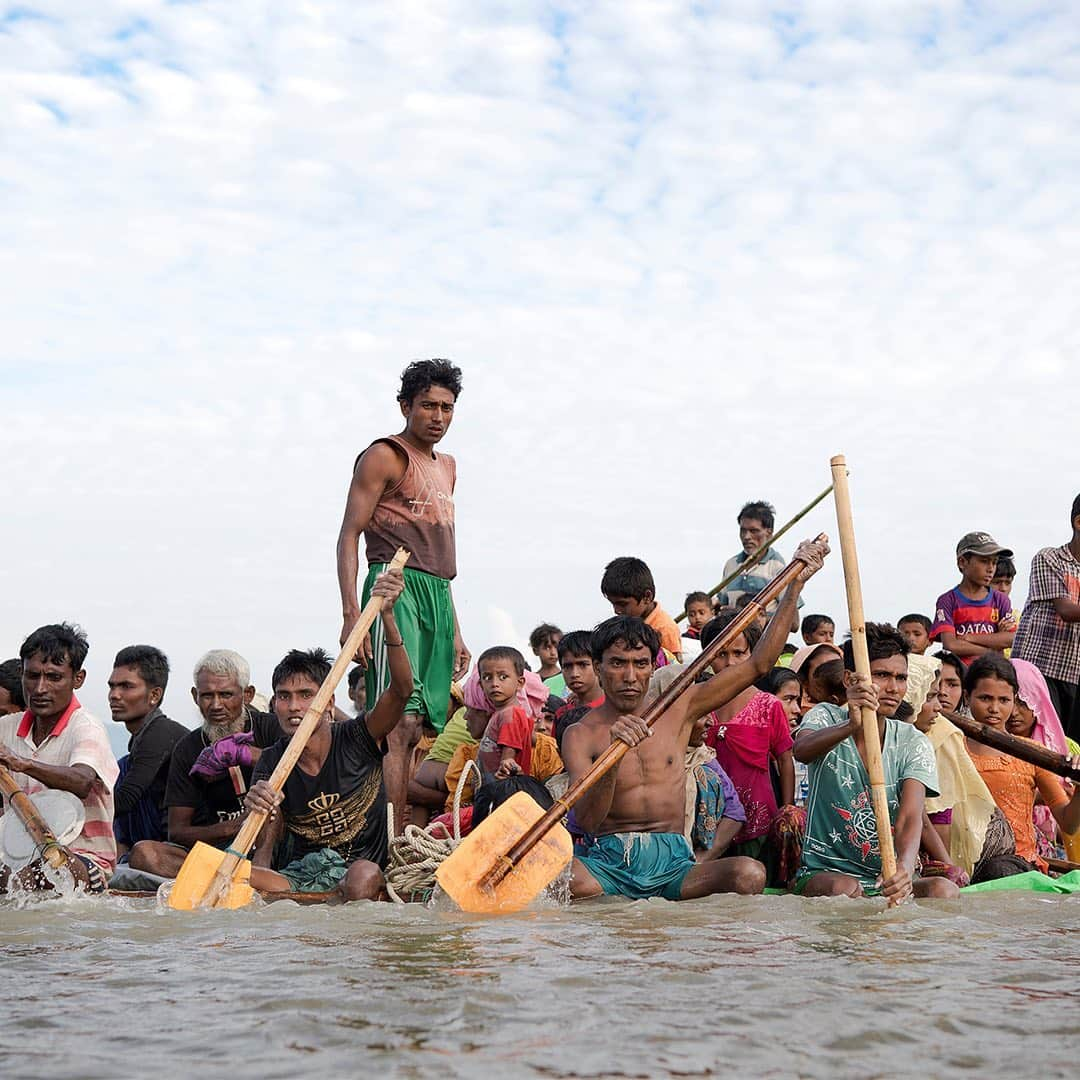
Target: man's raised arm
374,472
721,688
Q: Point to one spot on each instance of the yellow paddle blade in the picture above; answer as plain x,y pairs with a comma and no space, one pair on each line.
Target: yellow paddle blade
197,874
461,873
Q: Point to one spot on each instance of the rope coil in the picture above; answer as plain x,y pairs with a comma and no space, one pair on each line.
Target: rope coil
417,853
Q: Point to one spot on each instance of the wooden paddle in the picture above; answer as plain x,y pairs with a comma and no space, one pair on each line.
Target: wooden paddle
758,555
214,878
516,852
52,851
1024,749
871,737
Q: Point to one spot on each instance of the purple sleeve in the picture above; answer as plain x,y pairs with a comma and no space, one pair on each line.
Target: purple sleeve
733,807
1004,605
943,615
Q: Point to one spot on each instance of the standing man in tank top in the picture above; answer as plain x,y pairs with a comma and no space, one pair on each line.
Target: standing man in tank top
402,495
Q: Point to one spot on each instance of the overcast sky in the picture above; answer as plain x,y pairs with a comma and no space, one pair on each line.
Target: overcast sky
683,253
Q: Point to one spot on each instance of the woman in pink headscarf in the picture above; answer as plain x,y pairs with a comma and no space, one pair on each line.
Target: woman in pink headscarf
1035,718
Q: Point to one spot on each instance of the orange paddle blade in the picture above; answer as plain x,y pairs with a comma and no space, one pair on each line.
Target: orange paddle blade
461,873
197,874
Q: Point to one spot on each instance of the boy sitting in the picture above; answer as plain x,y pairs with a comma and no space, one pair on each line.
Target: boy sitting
974,618
840,855
916,630
629,588
509,732
818,630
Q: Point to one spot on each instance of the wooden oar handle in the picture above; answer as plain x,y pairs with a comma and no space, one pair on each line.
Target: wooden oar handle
37,829
615,752
1024,749
857,621
249,831
254,822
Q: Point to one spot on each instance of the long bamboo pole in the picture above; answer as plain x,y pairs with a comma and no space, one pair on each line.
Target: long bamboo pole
857,620
616,751
249,831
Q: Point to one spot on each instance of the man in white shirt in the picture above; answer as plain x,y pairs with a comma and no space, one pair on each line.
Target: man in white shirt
56,744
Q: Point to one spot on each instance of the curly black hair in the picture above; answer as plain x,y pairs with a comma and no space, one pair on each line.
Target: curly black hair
421,375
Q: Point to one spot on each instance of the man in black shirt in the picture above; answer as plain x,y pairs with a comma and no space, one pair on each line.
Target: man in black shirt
136,688
211,766
331,815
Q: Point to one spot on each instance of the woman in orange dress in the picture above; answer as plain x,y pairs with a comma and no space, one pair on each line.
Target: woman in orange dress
992,687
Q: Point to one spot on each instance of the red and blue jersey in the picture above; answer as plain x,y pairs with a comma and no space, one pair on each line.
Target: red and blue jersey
958,614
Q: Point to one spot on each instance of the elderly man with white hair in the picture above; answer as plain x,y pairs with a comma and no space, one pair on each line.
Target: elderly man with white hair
211,767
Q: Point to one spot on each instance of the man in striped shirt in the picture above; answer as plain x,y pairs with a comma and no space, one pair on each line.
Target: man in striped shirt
56,744
1049,632
756,521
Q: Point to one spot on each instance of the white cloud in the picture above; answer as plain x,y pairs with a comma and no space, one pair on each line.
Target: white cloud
683,256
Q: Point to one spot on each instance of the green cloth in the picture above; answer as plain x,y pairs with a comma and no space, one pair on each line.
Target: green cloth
556,684
455,734
841,831
317,871
425,617
1032,881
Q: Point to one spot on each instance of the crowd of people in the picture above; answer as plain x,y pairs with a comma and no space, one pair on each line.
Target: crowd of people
754,777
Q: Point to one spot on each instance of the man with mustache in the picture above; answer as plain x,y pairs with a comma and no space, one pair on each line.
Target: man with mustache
211,766
635,814
57,744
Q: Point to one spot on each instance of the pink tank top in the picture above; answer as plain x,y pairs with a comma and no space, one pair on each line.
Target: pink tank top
417,513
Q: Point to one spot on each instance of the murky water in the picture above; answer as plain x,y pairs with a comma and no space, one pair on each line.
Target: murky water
772,986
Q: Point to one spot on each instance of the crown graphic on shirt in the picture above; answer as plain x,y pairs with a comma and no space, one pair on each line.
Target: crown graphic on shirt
322,802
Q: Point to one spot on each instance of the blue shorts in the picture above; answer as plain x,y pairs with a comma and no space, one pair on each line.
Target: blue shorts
639,865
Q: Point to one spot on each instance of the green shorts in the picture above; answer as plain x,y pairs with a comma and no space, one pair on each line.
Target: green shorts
317,871
425,616
640,865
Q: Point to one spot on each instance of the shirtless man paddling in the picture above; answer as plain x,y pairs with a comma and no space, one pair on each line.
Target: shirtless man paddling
635,812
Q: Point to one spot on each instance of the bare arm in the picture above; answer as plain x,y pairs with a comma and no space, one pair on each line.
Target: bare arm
720,689
961,645
1067,815
1000,640
182,832
787,778
422,795
726,831
1067,609
810,745
577,754
78,779
861,693
909,822
378,468
462,656
271,832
